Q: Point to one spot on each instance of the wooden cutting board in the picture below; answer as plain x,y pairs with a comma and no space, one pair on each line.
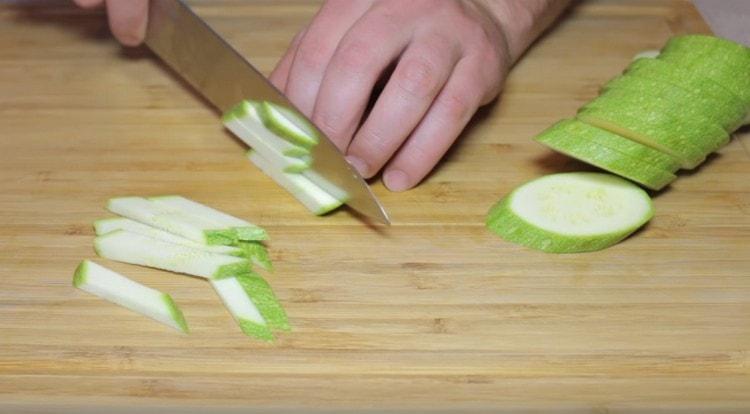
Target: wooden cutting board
431,313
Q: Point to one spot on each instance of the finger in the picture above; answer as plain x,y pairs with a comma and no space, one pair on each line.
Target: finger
437,131
87,4
364,53
127,19
316,48
420,74
280,73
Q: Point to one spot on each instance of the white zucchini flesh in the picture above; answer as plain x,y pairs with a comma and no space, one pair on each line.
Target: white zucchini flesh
571,212
172,220
287,124
246,113
245,230
129,247
241,307
651,53
326,185
259,141
302,188
104,226
116,288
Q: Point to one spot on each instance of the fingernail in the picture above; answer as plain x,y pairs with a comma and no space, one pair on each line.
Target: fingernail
358,163
396,180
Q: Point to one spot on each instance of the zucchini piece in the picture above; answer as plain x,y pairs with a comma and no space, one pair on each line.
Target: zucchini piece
128,247
244,229
242,308
171,220
652,130
104,226
116,288
632,149
578,140
263,297
257,253
246,114
571,212
698,112
288,124
245,122
715,99
663,119
302,188
647,54
327,186
722,60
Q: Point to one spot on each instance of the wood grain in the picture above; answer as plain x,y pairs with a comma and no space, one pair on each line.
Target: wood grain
431,313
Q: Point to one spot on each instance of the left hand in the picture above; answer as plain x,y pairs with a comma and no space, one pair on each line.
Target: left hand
450,58
127,18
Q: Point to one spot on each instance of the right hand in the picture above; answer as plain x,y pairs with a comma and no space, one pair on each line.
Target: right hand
127,18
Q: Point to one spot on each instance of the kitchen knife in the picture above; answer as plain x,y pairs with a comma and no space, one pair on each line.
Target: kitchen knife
197,53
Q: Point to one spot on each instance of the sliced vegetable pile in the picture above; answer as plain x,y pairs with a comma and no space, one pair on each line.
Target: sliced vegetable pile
281,143
180,235
662,114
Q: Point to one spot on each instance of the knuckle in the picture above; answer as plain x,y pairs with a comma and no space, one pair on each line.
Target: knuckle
417,77
416,155
332,124
491,68
312,54
456,106
353,55
376,141
478,33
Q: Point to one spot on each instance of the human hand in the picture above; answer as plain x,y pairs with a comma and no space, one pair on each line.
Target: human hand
127,18
451,57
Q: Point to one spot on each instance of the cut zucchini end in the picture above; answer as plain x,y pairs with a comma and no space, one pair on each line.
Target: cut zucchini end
580,141
99,239
250,233
125,199
101,223
651,53
298,152
241,267
256,330
79,277
258,254
176,313
546,214
239,111
296,169
266,265
323,210
313,197
278,120
265,299
225,237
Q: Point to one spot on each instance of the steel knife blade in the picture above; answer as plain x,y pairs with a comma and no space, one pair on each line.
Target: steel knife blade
187,44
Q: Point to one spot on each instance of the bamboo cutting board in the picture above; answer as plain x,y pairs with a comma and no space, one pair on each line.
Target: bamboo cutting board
431,313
